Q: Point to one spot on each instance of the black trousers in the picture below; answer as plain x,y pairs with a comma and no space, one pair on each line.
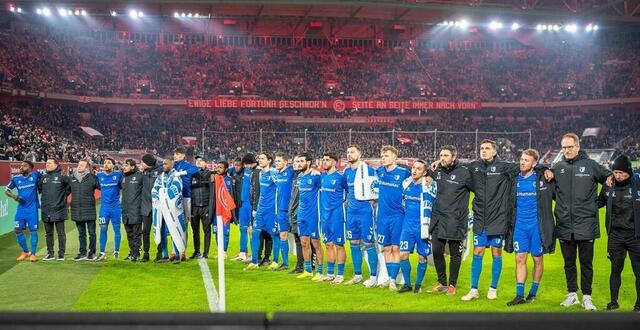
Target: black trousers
200,215
83,228
147,225
455,249
266,245
49,228
617,249
299,256
582,249
134,233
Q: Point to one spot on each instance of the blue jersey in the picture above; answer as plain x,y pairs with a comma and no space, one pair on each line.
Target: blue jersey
228,183
390,196
245,190
283,181
526,200
267,200
411,202
308,189
332,190
231,171
27,191
109,188
190,169
355,205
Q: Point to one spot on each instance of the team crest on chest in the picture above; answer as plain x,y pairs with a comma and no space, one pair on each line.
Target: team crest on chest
493,168
453,177
582,169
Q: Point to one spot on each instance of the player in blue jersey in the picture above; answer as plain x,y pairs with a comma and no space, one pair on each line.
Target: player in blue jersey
184,170
27,211
416,205
533,226
390,211
283,177
308,215
265,213
110,208
245,207
360,222
333,186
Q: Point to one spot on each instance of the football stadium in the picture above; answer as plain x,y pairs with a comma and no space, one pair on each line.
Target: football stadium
320,164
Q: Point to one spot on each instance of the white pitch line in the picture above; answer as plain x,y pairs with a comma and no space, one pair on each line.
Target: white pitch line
210,288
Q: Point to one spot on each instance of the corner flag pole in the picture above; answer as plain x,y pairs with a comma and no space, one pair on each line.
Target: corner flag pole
220,240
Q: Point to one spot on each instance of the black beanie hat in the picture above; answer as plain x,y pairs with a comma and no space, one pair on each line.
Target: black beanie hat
149,160
622,163
248,159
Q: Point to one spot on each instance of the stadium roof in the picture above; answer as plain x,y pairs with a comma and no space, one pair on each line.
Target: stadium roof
381,11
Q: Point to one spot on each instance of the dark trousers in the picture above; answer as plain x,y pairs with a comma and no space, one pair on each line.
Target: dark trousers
584,251
299,256
147,225
134,232
617,248
455,250
266,245
83,228
200,215
58,226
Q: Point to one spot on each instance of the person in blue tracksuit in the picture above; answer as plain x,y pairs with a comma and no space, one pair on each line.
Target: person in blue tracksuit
333,186
265,213
416,204
390,211
27,211
245,208
110,208
283,177
360,222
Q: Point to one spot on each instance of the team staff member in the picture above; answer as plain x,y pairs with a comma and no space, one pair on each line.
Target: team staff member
54,189
623,226
83,185
577,226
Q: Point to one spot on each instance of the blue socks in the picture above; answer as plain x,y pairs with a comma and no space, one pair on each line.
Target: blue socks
330,268
319,269
534,288
340,270
34,242
520,289
405,265
307,266
392,269
476,270
356,256
422,269
372,257
276,248
496,269
103,237
22,241
244,238
117,236
255,246
284,250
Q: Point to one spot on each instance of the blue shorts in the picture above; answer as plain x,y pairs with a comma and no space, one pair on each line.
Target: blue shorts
308,224
26,220
360,225
265,221
245,214
485,240
389,229
410,239
333,226
108,214
283,221
527,239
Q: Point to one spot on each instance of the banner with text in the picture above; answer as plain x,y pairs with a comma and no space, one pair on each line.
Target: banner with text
336,105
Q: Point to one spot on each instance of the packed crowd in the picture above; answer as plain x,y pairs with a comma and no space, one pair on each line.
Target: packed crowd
88,67
35,131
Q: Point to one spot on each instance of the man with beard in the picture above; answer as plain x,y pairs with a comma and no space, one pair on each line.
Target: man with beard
27,211
131,198
201,208
83,185
54,189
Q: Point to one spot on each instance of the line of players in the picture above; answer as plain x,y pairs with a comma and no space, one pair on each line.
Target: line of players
512,209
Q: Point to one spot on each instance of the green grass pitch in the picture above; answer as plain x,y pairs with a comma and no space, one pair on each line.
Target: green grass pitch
118,285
